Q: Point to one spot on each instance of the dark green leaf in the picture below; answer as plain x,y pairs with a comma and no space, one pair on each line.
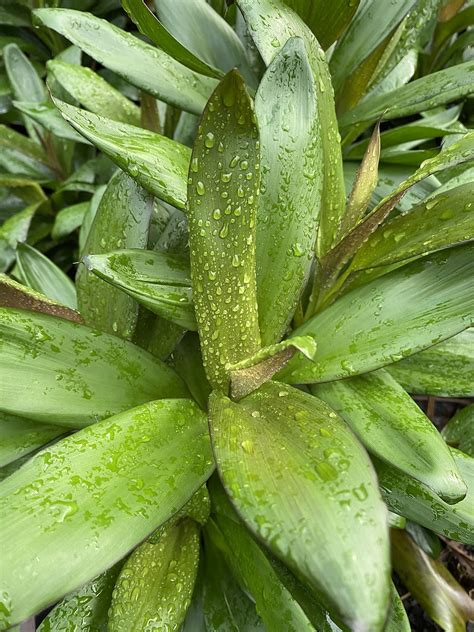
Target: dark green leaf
14,229
187,361
68,220
22,156
459,431
47,115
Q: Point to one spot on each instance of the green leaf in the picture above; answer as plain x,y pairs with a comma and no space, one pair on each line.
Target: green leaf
373,22
14,14
47,115
142,65
187,361
22,156
19,437
103,490
394,316
397,619
155,585
80,374
148,24
422,94
459,431
291,186
14,230
392,426
86,608
68,220
41,274
271,23
293,470
225,160
27,190
445,370
431,584
93,92
202,30
410,498
157,280
121,221
158,163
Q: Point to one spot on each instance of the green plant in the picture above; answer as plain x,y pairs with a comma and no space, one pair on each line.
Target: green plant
235,312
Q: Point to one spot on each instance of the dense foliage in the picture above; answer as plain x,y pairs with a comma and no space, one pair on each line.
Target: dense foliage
267,212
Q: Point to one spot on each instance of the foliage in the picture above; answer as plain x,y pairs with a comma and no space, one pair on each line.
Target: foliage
234,240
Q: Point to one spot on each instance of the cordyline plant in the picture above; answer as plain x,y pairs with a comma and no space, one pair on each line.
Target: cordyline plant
220,436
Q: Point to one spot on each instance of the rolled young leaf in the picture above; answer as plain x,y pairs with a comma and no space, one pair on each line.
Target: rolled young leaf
291,186
139,63
394,316
302,483
103,490
222,199
159,281
156,583
391,426
80,375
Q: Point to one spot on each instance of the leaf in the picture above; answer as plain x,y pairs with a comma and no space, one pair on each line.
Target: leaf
291,186
16,295
271,23
150,26
422,94
15,229
121,221
326,21
19,437
93,92
14,14
27,190
155,585
157,280
391,425
187,361
223,253
86,608
80,374
459,431
48,117
68,220
202,30
397,619
445,370
410,498
392,317
42,275
158,163
292,470
135,61
431,584
103,490
22,156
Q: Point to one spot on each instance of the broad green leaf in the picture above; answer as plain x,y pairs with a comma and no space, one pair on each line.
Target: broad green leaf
86,608
72,375
19,437
372,23
93,92
291,186
155,585
396,315
42,275
293,470
142,65
431,584
202,30
445,370
68,220
222,198
27,190
397,618
14,230
13,294
425,539
459,431
157,280
22,156
439,222
121,221
326,20
391,425
158,163
410,498
422,94
102,491
90,214
150,26
271,23
47,115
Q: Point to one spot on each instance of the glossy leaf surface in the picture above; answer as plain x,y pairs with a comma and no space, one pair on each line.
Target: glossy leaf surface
389,318
222,198
282,455
291,186
74,375
84,528
19,437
